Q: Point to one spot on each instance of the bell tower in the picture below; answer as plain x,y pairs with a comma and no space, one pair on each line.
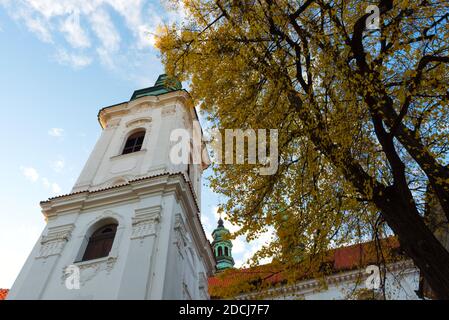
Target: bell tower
130,228
222,247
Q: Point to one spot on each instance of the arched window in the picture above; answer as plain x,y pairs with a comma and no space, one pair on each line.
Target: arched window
220,251
100,243
226,251
134,142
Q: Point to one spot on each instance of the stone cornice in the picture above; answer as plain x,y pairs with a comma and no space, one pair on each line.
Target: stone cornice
133,191
130,191
122,109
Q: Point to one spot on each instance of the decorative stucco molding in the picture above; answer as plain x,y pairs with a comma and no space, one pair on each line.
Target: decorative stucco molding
113,123
187,119
202,285
136,189
145,221
141,107
185,292
168,111
139,122
53,243
202,281
181,240
90,269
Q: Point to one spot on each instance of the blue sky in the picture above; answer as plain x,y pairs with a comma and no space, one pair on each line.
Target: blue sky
61,61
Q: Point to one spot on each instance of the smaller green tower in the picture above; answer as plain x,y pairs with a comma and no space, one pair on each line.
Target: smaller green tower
222,247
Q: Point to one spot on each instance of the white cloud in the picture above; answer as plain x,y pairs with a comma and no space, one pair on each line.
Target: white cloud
131,10
254,246
146,36
123,45
239,245
73,31
105,31
58,165
107,58
46,183
134,14
76,61
215,212
231,227
30,173
107,34
51,8
53,186
23,13
39,27
56,132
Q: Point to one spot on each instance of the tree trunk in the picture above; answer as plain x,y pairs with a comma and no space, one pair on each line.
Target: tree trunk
395,203
418,242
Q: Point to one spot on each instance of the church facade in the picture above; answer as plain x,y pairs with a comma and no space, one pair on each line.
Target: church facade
130,228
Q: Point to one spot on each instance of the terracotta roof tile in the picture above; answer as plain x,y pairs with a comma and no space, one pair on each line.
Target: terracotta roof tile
3,293
342,259
124,184
360,254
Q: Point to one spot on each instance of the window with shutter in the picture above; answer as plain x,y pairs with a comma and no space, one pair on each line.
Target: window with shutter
100,243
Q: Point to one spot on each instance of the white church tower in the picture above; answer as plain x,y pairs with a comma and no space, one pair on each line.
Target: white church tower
130,228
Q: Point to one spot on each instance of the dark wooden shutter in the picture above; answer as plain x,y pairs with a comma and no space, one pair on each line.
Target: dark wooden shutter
100,243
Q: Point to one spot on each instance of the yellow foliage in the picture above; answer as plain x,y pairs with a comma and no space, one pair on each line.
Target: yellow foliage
351,106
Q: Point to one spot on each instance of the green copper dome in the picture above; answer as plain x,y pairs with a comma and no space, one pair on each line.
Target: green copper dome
222,247
163,85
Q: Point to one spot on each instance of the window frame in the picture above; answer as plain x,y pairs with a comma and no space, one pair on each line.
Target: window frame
138,136
100,244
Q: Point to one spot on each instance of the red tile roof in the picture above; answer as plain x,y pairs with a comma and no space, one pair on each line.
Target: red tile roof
339,260
3,293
